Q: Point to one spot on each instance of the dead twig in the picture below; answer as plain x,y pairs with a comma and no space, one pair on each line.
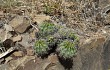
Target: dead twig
7,52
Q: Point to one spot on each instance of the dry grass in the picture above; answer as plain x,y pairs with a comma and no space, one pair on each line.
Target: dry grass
78,14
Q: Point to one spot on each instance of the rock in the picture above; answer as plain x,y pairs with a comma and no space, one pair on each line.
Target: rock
9,35
20,62
32,34
53,58
37,64
16,21
8,27
17,38
52,66
40,18
46,65
4,35
90,55
18,53
107,18
5,67
25,40
22,28
20,24
30,51
8,59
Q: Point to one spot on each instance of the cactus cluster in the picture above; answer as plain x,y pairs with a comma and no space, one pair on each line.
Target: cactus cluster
51,35
63,32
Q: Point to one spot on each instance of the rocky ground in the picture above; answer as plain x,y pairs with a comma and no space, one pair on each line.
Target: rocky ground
18,30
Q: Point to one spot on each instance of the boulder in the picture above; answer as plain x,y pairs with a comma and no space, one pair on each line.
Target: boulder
20,24
17,38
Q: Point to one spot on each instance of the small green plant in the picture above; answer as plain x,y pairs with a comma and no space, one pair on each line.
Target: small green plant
66,33
41,47
51,40
47,28
48,9
71,35
52,7
10,3
67,49
63,32
58,38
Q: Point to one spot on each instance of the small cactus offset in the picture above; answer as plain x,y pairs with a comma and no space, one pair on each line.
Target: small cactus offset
41,47
63,32
66,33
51,40
67,49
71,35
47,28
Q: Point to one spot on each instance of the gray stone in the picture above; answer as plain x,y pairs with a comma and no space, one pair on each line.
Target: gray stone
20,24
90,56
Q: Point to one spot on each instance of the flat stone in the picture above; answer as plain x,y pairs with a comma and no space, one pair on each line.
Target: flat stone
18,53
20,24
40,18
16,21
22,28
8,27
17,38
8,59
25,40
46,65
20,62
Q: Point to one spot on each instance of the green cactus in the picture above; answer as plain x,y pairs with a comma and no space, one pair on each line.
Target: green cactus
41,46
63,32
47,28
51,35
51,40
67,49
66,33
71,35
